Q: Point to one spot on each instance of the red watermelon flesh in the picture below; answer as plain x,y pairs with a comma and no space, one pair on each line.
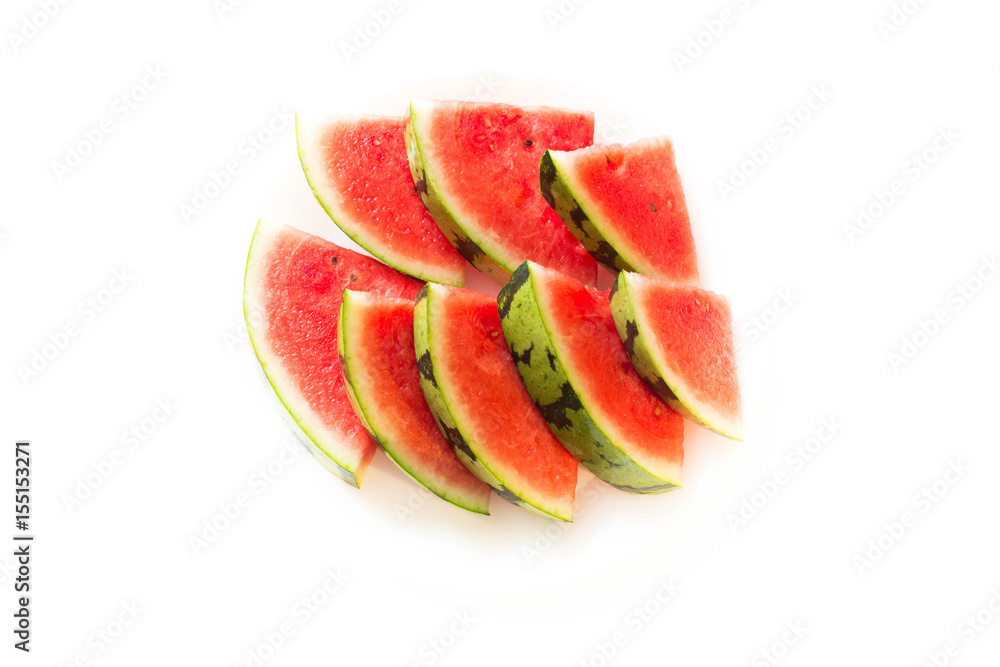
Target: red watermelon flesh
475,380
357,168
680,339
380,365
581,320
627,205
479,163
293,289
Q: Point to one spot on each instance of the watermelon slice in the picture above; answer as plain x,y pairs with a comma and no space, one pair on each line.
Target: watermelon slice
357,168
292,290
626,205
563,337
481,406
375,339
476,168
680,339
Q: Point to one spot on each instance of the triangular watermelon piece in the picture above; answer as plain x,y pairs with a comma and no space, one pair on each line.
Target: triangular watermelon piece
680,339
626,205
377,356
473,388
357,168
563,337
476,167
292,291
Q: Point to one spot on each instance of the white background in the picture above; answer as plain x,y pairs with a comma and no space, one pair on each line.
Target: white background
174,333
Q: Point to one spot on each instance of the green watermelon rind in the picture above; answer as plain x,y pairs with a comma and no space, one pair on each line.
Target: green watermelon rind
327,198
651,365
295,406
436,400
449,221
372,423
565,409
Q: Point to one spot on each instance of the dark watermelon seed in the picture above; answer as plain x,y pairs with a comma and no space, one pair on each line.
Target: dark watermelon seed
652,207
529,143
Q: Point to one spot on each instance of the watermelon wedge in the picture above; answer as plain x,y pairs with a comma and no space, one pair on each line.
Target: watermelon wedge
626,205
563,337
476,168
292,291
680,339
474,390
375,341
357,168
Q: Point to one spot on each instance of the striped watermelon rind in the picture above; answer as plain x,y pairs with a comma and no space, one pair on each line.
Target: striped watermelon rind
586,431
